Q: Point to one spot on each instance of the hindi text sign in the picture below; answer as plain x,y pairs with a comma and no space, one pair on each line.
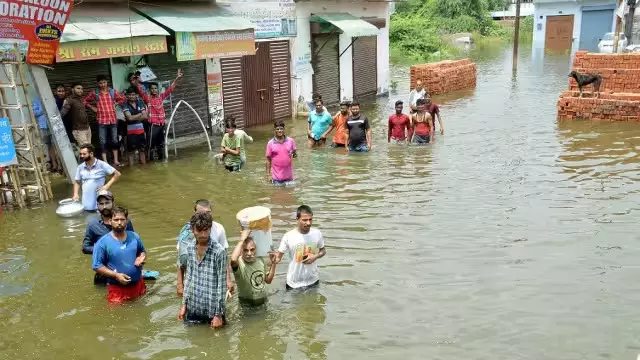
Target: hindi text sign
39,24
7,148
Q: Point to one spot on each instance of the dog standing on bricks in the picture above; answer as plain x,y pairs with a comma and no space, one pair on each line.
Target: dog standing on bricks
586,79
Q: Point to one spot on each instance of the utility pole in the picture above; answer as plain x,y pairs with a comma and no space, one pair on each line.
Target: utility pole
628,24
516,37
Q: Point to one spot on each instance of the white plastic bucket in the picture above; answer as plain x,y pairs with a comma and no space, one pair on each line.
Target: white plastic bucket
258,220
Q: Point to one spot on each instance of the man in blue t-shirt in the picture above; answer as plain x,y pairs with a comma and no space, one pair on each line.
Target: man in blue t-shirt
119,256
320,124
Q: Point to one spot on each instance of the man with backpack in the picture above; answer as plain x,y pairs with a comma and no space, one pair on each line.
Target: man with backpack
106,100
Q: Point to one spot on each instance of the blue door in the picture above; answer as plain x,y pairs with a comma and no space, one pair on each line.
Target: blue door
595,23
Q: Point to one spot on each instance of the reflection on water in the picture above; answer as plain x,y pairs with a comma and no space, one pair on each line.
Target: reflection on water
513,236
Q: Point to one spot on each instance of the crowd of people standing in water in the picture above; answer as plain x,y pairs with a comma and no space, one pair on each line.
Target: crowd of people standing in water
204,269
204,279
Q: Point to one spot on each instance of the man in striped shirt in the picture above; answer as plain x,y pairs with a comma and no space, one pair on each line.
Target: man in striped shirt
106,99
157,116
205,288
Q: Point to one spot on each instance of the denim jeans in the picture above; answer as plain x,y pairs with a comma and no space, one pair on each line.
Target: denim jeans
108,135
358,148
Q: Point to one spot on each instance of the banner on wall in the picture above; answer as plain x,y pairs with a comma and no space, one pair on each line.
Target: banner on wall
7,147
271,18
36,26
216,44
103,49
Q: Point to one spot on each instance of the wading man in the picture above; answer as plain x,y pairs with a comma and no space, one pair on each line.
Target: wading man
305,245
106,99
231,147
320,124
74,109
434,110
399,126
136,113
91,175
339,123
358,131
422,124
205,285
186,237
119,256
280,153
416,94
157,116
250,271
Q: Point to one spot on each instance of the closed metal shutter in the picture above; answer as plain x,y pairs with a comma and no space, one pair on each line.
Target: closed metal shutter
365,66
326,68
84,73
192,89
281,79
232,90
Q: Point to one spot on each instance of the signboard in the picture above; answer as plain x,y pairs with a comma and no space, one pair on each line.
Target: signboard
303,64
218,44
7,148
103,49
271,19
39,24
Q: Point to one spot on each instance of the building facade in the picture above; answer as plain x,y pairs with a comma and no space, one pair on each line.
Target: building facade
568,26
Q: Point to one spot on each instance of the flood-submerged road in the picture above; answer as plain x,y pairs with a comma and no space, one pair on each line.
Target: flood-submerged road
514,236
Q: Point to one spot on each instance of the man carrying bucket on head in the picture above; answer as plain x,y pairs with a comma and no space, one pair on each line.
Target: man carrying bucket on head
250,271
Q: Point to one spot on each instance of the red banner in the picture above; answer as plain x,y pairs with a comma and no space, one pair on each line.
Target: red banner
38,24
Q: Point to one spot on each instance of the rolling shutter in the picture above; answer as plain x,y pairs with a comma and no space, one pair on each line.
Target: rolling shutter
192,89
365,67
281,79
232,91
84,73
326,68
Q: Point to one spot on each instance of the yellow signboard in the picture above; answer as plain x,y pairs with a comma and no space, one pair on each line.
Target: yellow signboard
103,49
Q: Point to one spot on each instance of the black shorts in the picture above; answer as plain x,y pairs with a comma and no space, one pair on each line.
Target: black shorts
336,145
136,142
232,168
193,319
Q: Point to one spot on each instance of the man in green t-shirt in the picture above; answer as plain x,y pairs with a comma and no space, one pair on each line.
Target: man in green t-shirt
231,147
249,271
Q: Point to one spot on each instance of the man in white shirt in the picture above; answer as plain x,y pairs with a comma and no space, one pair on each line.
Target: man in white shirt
304,245
185,237
416,94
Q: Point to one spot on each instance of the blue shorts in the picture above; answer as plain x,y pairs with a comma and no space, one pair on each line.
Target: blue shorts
359,148
421,139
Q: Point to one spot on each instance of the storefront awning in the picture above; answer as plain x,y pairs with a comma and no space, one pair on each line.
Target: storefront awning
203,30
99,31
349,24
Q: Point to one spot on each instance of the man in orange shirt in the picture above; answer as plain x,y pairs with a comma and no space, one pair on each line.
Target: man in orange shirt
339,123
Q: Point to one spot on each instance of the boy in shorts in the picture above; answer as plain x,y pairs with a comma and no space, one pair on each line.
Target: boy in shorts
135,112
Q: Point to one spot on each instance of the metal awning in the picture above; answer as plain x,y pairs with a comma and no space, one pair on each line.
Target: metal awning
349,24
106,22
193,18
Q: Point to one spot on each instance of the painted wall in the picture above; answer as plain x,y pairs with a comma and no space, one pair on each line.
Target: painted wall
544,9
302,82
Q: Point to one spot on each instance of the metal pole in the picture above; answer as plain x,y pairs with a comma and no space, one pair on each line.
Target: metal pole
628,24
516,37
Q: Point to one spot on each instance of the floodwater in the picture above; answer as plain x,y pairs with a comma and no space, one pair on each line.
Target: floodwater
512,237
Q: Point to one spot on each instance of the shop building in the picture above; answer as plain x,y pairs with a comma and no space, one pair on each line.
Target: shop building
341,55
114,40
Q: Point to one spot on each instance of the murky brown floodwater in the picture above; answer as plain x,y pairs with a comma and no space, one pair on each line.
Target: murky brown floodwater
513,237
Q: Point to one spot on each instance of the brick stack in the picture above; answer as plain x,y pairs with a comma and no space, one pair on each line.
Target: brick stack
445,76
619,98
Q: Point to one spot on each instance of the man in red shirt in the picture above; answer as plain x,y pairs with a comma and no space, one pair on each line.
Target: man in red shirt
154,100
434,110
106,99
399,126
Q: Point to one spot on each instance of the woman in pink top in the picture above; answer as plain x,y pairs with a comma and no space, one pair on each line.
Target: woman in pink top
280,153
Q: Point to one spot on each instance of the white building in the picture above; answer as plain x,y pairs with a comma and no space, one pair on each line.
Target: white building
570,25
